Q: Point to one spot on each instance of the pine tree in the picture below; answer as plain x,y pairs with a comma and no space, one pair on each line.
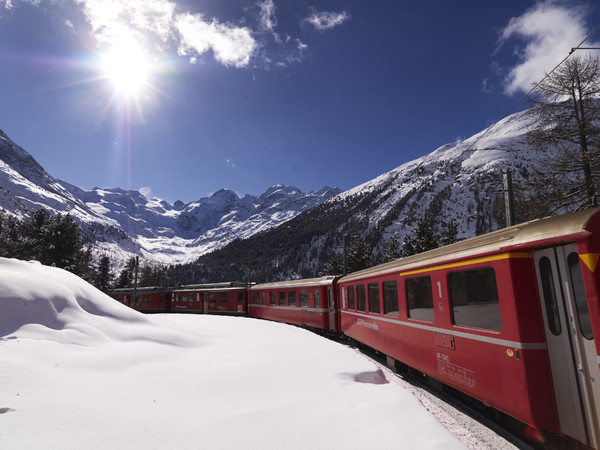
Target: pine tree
449,234
64,243
358,254
391,250
11,237
126,275
420,240
103,274
335,266
35,231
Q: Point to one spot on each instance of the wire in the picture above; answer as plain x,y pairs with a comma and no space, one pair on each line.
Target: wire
511,109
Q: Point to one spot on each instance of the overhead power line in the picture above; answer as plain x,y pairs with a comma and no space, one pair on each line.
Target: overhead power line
512,108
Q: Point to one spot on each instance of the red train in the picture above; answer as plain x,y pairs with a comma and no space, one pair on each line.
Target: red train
508,318
310,302
215,298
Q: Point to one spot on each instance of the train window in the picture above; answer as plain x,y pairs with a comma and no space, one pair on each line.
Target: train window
351,302
374,298
360,297
390,298
292,298
549,296
303,298
147,298
282,298
583,313
212,296
240,296
161,298
419,299
317,300
264,300
474,299
222,296
273,298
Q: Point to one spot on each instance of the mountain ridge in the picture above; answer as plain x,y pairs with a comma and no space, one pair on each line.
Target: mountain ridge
123,223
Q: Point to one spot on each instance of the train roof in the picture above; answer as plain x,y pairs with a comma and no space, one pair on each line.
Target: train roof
139,290
525,236
321,281
212,286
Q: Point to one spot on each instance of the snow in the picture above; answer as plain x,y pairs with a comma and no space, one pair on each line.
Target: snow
80,370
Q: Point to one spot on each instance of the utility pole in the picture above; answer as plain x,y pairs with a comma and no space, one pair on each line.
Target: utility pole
508,198
135,280
346,254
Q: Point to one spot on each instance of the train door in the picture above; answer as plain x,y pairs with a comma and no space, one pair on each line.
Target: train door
571,347
331,305
206,303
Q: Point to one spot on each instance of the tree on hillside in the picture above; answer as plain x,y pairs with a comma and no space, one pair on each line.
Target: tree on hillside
420,239
10,236
104,275
64,243
391,250
335,266
449,234
358,254
126,276
568,113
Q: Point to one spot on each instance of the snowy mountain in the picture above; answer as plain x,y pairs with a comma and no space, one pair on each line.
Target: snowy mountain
458,181
461,181
122,223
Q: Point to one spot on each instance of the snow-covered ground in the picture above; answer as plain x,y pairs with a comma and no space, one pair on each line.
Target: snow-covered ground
79,370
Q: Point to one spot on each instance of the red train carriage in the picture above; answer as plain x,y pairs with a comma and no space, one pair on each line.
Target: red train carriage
149,299
508,318
216,298
311,302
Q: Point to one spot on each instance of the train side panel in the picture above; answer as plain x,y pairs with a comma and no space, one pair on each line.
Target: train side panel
474,327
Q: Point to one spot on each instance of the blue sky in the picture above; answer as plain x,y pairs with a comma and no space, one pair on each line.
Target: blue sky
182,98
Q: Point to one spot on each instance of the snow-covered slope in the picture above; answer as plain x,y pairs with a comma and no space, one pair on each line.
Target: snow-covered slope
457,181
124,222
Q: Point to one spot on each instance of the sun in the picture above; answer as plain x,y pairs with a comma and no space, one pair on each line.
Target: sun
128,68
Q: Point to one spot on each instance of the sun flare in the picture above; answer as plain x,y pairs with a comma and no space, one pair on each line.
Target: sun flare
127,67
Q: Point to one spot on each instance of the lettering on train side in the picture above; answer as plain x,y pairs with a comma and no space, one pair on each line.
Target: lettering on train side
372,326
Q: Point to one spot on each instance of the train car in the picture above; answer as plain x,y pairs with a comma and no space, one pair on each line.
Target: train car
148,299
215,298
509,318
311,303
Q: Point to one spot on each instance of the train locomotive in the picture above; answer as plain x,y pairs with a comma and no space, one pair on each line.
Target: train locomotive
508,318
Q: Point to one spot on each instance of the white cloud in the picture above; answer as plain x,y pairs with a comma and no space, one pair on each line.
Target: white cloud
268,21
231,45
157,25
547,32
146,191
147,21
327,20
